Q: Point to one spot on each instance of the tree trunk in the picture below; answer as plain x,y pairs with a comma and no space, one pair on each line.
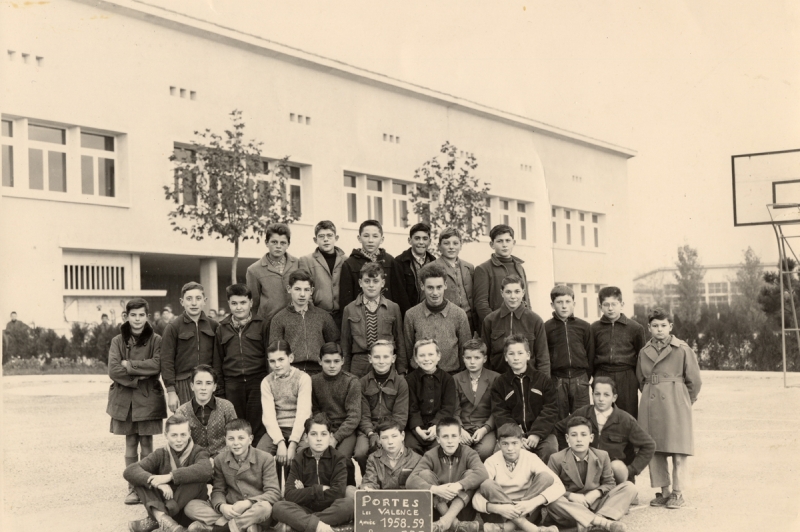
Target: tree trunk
235,260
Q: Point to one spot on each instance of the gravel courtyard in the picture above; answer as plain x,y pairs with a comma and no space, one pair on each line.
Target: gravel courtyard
62,469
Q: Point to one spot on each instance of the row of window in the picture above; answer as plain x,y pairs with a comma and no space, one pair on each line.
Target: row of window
585,299
710,288
575,228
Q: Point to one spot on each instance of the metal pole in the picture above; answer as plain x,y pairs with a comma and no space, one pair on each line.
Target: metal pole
781,262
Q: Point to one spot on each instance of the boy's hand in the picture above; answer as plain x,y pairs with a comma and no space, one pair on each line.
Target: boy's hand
228,512
165,490
479,434
466,439
374,442
422,433
431,433
332,442
509,511
579,498
126,364
281,454
242,506
325,488
157,480
530,442
173,402
298,484
591,497
447,491
526,507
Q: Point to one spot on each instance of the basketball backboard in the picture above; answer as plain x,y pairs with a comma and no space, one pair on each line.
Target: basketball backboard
761,179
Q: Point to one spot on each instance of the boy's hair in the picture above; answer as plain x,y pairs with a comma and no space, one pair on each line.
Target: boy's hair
192,285
204,368
658,313
449,232
368,223
476,344
510,430
602,379
238,289
279,345
320,418
330,348
577,421
239,424
500,229
324,224
516,339
387,423
371,269
279,229
137,302
561,290
609,291
431,271
174,419
426,341
389,343
103,316
300,275
511,279
420,227
448,421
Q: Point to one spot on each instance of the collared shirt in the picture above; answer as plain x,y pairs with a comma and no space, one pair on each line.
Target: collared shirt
602,418
421,261
373,257
473,382
372,304
240,461
279,264
393,461
239,325
660,345
203,412
512,465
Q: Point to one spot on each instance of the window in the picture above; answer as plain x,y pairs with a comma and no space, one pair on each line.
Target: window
582,217
350,198
294,194
553,211
504,215
8,153
400,204
569,234
375,199
522,221
594,218
97,158
583,235
185,180
47,158
555,238
487,218
596,238
718,288
568,215
585,307
718,300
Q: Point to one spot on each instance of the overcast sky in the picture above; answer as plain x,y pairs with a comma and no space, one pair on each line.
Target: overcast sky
686,84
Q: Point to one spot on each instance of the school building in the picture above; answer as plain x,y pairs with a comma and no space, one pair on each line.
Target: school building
98,95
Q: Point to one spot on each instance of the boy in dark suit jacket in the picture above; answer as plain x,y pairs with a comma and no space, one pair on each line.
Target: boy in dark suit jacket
474,403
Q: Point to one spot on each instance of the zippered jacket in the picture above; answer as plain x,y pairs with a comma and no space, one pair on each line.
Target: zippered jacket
617,344
571,346
185,345
240,354
329,470
463,466
528,400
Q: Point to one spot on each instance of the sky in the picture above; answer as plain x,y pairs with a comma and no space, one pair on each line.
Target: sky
686,84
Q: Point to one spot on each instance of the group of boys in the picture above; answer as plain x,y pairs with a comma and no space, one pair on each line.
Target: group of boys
431,373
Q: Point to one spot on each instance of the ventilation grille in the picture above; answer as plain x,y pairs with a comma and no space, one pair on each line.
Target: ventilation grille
93,277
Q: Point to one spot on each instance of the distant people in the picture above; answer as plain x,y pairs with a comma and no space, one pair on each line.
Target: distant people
389,467
571,346
617,342
513,317
325,267
670,380
413,259
207,415
105,323
305,327
136,398
474,404
164,320
370,236
167,479
15,324
221,313
268,277
240,357
187,342
489,275
212,314
14,337
460,275
370,319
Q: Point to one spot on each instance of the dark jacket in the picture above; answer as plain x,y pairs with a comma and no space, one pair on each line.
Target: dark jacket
464,467
622,438
240,355
196,469
255,480
571,345
326,283
474,409
381,476
599,475
394,290
390,327
184,345
444,398
530,402
617,344
488,291
502,323
405,260
378,401
305,333
330,471
138,389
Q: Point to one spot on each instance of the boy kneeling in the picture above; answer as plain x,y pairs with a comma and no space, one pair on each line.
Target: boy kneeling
170,477
592,499
245,486
439,467
316,490
519,485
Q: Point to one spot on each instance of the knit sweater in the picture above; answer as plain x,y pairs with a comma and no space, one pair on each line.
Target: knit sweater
286,402
340,398
196,468
306,333
516,483
212,435
450,329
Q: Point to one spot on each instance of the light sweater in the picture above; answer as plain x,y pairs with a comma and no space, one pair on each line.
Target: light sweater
514,483
286,402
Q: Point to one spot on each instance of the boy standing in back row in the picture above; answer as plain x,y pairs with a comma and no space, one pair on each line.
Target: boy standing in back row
414,258
489,275
617,342
325,267
267,277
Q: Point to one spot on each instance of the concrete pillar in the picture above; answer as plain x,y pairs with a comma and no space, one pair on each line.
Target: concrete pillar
136,273
208,278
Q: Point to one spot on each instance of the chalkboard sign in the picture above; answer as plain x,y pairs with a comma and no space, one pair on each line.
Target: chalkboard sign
393,511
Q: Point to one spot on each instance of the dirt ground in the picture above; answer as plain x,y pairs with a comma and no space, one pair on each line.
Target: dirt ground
62,469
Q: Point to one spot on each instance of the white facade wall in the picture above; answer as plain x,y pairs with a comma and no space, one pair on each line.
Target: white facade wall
110,71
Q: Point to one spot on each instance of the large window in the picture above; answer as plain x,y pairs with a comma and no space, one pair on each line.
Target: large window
351,200
8,153
512,213
400,204
47,158
377,198
583,226
97,164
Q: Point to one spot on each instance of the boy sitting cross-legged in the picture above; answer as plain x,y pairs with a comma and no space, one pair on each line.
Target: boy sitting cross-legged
169,478
451,472
245,486
592,498
317,497
389,467
519,485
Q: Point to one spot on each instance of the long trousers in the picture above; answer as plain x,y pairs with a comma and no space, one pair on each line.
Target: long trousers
493,493
202,511
152,499
303,519
245,394
573,393
466,514
612,506
659,471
